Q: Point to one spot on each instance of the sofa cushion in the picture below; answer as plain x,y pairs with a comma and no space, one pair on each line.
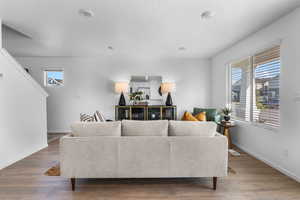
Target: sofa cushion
144,128
191,128
81,129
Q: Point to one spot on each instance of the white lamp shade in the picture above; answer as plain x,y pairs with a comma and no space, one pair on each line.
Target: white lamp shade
121,87
167,87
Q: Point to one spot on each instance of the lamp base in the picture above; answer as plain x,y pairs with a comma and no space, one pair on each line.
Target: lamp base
122,101
169,101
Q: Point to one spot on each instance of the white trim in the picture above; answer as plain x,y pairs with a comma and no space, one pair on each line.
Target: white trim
271,164
20,69
55,132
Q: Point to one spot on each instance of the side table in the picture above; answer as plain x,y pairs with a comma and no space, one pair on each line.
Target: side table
226,126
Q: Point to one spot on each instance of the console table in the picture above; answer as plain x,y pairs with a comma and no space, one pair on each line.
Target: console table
145,112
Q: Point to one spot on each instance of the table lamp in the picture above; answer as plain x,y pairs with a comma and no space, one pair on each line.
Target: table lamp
120,88
168,88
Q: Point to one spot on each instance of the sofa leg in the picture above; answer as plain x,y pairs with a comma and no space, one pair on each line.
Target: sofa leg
73,183
215,179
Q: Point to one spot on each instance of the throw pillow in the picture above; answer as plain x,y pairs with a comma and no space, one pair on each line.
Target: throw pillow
99,117
86,118
211,113
201,116
188,117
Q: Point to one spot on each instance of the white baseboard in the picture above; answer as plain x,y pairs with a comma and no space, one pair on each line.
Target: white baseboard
266,161
29,153
55,132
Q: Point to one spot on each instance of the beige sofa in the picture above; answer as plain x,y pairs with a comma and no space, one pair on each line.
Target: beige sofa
143,149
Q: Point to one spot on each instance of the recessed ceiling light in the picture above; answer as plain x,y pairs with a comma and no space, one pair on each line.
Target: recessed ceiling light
207,14
110,48
181,48
85,13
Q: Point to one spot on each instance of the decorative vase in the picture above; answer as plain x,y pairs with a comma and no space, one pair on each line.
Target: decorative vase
122,101
227,118
169,101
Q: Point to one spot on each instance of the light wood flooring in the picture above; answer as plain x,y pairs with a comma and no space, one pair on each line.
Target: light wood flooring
253,180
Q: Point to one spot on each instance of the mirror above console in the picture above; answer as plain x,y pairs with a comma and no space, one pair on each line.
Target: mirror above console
145,90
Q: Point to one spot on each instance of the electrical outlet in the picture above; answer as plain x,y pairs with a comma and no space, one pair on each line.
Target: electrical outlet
297,97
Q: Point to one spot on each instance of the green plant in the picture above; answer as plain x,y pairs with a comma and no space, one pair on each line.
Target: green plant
136,96
226,111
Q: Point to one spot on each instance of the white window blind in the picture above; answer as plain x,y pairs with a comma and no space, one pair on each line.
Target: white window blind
255,85
266,71
240,89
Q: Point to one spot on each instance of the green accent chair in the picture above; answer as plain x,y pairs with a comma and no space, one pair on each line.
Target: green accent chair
211,114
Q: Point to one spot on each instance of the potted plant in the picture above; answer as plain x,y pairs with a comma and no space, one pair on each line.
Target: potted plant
135,97
226,112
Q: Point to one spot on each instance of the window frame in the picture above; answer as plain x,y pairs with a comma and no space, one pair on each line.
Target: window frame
252,90
45,72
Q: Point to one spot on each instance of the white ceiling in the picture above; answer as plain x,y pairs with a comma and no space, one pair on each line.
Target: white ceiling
141,28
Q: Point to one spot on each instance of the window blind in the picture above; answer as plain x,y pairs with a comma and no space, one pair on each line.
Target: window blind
266,73
240,89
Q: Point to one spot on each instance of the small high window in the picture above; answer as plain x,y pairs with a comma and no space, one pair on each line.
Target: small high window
53,78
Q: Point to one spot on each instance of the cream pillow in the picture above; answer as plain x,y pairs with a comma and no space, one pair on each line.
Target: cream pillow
192,128
81,129
144,128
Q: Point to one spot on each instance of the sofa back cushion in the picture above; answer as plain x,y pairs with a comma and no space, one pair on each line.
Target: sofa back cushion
81,129
191,128
144,128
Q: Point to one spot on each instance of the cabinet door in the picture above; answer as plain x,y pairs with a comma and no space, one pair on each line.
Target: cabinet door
154,113
138,113
122,113
169,113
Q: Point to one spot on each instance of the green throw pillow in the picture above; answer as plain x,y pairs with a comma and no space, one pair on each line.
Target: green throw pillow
211,113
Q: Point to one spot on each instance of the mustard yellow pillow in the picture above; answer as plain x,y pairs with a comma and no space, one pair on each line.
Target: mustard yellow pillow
188,117
201,116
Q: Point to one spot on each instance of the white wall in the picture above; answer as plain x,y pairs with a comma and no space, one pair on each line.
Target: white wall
0,33
23,123
280,149
89,83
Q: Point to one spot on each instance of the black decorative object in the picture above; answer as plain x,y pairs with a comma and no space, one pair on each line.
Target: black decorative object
169,101
122,101
227,118
159,91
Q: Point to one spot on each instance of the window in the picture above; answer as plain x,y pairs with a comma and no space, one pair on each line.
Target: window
53,78
255,84
240,89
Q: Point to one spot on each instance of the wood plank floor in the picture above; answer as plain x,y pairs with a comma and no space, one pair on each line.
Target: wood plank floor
253,180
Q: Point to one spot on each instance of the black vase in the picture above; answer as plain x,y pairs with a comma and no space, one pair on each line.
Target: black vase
169,101
122,101
227,118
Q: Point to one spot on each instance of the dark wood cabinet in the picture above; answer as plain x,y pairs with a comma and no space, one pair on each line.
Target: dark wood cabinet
144,112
